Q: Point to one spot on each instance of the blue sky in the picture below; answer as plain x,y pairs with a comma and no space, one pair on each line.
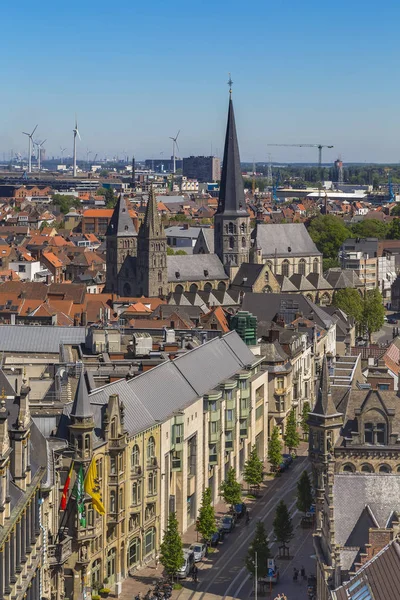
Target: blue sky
303,72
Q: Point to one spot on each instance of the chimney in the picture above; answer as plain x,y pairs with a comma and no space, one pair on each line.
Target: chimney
84,318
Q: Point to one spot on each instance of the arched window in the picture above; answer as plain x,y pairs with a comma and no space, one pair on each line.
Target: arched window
207,287
221,286
384,469
152,483
231,228
149,540
266,276
96,572
348,468
179,289
243,242
133,551
285,268
301,268
113,503
231,243
151,450
135,456
315,265
114,427
193,288
367,468
159,276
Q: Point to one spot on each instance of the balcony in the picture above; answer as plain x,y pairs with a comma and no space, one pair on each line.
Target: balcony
244,412
229,445
245,392
213,459
230,403
214,436
215,415
229,425
152,463
136,471
59,553
117,444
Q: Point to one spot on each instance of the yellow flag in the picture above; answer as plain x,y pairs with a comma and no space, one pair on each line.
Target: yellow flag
93,489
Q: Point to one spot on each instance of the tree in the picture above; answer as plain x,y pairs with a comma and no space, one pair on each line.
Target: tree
205,523
171,556
304,419
275,449
170,251
65,202
304,493
328,233
393,231
370,228
330,263
110,198
260,546
253,469
283,526
231,490
350,302
373,311
180,253
292,438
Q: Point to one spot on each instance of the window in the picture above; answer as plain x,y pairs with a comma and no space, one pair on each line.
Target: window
152,484
136,493
133,551
113,465
280,383
135,456
212,405
231,228
214,427
384,469
229,415
178,433
22,268
231,243
380,433
316,265
375,433
302,267
259,394
96,569
349,468
383,386
243,228
113,504
149,540
285,268
243,242
367,469
368,433
259,412
151,450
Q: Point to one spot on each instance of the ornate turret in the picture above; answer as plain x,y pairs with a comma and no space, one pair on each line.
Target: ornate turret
232,221
82,423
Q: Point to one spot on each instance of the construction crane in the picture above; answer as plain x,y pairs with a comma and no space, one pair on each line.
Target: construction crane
319,146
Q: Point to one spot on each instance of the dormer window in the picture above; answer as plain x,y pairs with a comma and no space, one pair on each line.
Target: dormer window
375,434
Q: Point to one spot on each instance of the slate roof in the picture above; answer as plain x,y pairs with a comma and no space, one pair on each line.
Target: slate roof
324,404
195,267
121,223
378,579
247,275
5,385
285,240
342,278
26,338
205,239
301,283
231,193
318,281
182,232
81,406
352,493
266,306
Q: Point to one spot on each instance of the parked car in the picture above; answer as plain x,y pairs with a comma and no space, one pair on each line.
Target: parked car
288,459
239,510
187,566
227,523
392,321
216,538
199,551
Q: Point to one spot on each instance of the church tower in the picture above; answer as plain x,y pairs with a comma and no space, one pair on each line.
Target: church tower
121,246
151,272
232,221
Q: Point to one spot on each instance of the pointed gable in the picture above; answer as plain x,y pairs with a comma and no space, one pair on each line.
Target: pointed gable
81,407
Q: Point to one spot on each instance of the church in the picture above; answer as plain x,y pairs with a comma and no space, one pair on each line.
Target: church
137,261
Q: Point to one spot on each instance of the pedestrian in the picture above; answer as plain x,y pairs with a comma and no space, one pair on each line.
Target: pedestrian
195,573
295,574
303,573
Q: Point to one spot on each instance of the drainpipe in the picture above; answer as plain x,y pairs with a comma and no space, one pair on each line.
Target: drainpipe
44,553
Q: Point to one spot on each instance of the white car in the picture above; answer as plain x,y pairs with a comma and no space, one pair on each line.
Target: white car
187,566
199,551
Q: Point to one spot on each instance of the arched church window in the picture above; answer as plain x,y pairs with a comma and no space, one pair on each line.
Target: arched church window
243,242
231,243
159,276
384,469
348,468
285,268
302,267
243,228
316,265
367,468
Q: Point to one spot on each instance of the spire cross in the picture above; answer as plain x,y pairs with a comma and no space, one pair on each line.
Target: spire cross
230,82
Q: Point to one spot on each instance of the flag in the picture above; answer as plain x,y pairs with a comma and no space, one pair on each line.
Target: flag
79,494
93,489
63,504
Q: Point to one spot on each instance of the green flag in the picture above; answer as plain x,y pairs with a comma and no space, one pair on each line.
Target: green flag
79,494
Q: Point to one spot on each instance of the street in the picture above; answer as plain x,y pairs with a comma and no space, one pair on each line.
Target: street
224,576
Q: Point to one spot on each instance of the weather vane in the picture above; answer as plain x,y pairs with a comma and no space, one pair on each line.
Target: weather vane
230,83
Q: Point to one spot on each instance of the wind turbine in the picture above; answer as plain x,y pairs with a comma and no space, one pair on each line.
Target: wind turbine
62,154
76,133
174,145
30,135
39,149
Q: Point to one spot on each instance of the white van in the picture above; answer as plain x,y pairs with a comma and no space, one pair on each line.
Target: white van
187,566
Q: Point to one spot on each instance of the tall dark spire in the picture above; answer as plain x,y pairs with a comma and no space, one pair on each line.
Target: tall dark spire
81,407
121,223
324,404
152,222
231,195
